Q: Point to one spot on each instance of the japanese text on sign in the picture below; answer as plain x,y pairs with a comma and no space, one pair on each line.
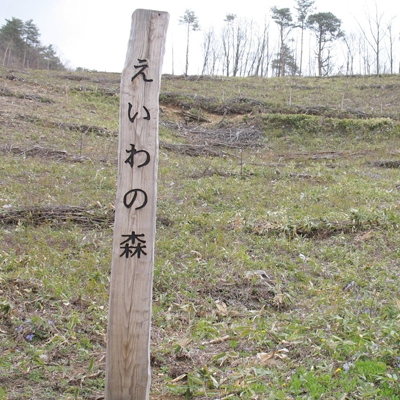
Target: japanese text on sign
133,244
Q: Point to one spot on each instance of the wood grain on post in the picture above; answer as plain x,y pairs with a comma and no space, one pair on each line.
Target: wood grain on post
128,339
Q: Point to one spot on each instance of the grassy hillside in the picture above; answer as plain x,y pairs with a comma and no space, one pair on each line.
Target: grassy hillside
277,258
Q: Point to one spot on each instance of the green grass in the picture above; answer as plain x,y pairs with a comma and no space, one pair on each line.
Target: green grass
311,200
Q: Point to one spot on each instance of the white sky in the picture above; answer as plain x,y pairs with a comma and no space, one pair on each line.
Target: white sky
94,33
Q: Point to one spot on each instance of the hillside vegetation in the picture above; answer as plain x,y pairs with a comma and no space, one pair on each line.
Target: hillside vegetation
277,259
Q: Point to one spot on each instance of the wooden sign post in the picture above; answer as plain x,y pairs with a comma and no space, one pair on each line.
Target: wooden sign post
129,320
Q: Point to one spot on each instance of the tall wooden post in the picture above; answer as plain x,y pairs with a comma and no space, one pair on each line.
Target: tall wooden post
129,321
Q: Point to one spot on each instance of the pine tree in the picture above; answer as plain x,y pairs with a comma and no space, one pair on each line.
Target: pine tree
20,46
11,41
326,28
192,23
283,17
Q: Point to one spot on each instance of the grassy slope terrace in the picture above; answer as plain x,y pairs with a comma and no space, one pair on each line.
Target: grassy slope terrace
277,258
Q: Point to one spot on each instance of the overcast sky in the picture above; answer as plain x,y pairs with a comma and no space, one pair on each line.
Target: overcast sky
94,33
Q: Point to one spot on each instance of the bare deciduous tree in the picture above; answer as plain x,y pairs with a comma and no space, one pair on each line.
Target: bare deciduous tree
391,45
210,52
262,56
351,45
374,35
